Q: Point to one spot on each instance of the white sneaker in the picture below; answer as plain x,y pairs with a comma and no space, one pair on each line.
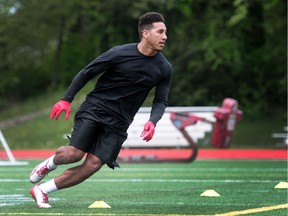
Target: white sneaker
40,171
40,197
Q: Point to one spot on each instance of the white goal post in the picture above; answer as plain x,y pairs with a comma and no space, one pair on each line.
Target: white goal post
11,159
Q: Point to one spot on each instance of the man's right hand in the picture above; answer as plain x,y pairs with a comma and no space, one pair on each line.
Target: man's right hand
58,108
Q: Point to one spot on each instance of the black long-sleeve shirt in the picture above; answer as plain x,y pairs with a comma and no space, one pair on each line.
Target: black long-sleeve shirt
126,80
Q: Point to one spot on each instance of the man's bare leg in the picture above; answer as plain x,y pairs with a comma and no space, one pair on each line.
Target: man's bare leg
78,174
63,155
70,177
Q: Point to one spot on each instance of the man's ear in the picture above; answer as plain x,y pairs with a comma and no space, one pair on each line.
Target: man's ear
145,34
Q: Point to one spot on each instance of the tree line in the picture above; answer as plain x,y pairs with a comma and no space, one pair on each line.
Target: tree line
218,49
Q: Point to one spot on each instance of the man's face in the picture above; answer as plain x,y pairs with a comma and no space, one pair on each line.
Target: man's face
156,36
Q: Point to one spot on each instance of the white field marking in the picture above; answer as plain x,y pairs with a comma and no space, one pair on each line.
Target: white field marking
165,180
192,190
241,212
254,210
14,180
162,169
191,204
17,199
11,170
13,199
184,180
203,170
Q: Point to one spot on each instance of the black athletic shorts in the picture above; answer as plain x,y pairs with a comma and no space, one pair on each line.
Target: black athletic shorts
98,132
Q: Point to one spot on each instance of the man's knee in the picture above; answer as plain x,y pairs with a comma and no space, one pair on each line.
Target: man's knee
92,163
68,154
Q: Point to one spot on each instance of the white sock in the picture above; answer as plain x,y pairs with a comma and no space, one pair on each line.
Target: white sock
51,164
48,187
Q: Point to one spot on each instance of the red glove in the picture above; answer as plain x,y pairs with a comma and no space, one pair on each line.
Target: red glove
58,108
148,132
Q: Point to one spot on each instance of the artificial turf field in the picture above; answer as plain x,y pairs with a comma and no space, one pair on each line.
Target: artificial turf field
246,187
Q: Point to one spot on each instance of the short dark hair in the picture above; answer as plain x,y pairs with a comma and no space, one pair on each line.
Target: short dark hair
146,21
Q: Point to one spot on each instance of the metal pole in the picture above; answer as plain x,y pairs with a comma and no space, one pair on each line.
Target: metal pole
6,147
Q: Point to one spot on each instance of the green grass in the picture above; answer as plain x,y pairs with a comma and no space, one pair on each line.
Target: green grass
157,189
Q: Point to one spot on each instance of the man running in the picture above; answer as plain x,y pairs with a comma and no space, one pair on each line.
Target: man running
128,73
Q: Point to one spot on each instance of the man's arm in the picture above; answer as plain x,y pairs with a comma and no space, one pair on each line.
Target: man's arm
99,65
96,67
158,108
160,101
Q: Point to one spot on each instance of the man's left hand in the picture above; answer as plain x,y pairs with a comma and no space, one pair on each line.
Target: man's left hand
148,132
